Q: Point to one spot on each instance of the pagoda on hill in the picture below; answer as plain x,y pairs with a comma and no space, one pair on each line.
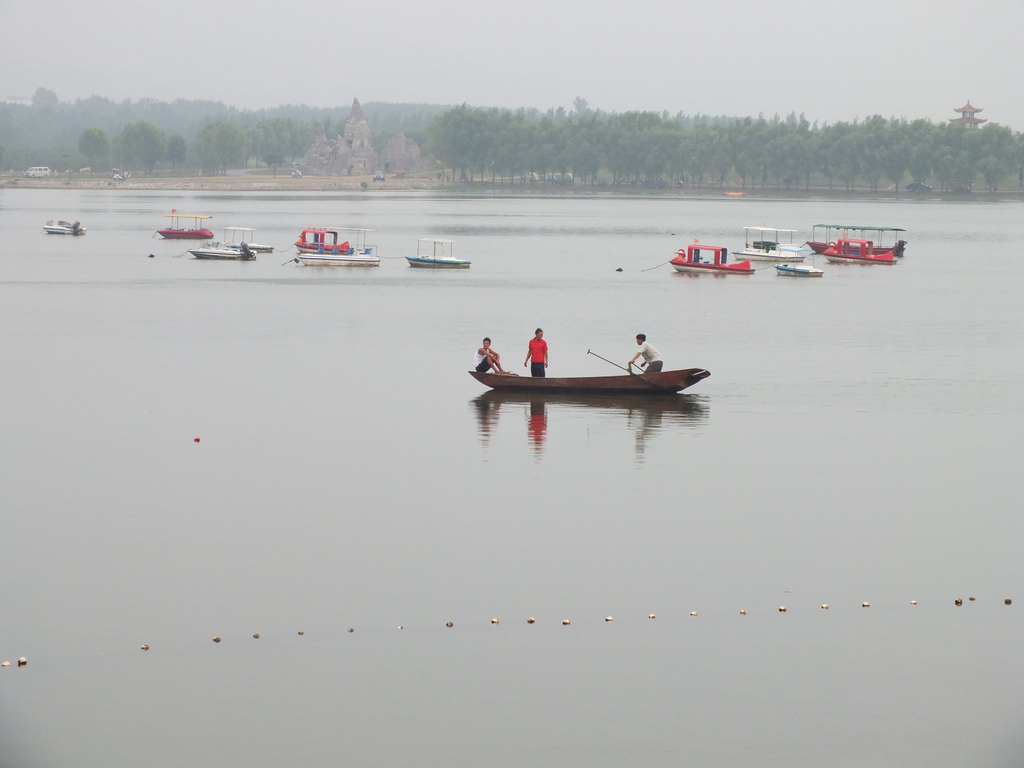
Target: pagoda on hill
968,114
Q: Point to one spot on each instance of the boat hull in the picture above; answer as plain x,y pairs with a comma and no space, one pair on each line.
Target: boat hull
437,263
633,384
185,234
816,246
884,258
329,260
64,231
798,270
775,257
739,268
225,255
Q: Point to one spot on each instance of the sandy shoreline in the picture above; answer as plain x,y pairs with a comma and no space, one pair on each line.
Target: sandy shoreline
429,183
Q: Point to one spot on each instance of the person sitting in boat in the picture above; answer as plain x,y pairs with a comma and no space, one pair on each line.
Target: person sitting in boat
486,358
651,357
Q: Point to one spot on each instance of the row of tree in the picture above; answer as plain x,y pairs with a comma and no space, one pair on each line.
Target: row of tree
218,146
648,148
46,131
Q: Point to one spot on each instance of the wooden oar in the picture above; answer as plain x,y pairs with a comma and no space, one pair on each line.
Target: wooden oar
631,373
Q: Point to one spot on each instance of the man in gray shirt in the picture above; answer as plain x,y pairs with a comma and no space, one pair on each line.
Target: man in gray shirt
651,357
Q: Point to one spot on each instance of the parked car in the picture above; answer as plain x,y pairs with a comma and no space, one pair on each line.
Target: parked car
378,176
918,186
37,171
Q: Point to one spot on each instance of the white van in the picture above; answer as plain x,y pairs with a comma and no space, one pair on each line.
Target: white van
36,170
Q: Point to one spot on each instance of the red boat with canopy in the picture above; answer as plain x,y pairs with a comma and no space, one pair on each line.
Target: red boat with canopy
708,258
178,232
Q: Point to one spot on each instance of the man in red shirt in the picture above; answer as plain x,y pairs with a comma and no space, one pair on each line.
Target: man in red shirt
538,353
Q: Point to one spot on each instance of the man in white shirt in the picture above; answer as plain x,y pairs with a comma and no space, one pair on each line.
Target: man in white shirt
486,358
651,357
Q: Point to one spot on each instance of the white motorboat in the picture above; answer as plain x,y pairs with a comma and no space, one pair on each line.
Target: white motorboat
64,228
766,244
222,252
436,254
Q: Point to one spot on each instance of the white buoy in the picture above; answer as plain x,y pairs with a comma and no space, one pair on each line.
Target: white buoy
494,621
971,599
5,664
256,636
782,609
824,606
865,605
145,647
401,627
565,623
913,602
693,613
958,601
301,632
743,611
651,616
608,618
216,639
449,624
350,629
530,620
22,661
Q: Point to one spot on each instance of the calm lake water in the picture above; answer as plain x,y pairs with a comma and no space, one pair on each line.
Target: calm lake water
859,440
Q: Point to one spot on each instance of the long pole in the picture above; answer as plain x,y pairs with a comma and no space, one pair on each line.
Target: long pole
609,361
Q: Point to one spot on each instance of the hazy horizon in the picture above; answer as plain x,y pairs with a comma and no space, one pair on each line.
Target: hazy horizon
737,59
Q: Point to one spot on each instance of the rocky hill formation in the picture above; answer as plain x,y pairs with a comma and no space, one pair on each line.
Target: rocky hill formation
352,154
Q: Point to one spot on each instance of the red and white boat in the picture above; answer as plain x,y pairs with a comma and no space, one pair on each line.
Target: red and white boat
848,251
177,232
323,247
819,243
708,258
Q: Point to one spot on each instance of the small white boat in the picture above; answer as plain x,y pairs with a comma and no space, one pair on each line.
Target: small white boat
64,228
322,247
224,252
798,270
439,254
766,244
234,247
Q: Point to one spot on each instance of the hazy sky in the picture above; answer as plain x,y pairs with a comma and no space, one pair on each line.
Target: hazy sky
832,61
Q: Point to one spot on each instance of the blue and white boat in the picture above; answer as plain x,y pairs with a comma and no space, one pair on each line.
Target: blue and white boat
434,253
798,270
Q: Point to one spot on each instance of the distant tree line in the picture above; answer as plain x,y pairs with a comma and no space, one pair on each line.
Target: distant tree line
514,146
51,132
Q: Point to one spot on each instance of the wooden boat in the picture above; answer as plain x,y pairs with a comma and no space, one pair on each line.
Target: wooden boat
849,251
765,244
323,247
819,243
692,261
64,228
439,256
178,232
631,384
798,270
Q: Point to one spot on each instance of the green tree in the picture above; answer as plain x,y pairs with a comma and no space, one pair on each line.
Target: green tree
93,143
176,150
219,146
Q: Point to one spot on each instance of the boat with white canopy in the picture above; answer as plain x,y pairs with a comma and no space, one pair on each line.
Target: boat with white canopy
434,252
771,244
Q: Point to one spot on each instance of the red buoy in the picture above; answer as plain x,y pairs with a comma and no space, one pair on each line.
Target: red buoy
197,439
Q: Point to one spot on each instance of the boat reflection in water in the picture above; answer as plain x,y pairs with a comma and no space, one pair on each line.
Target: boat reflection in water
645,415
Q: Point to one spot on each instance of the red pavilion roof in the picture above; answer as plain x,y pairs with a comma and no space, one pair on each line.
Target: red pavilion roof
968,107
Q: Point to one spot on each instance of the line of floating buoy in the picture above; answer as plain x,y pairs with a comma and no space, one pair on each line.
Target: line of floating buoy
565,622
